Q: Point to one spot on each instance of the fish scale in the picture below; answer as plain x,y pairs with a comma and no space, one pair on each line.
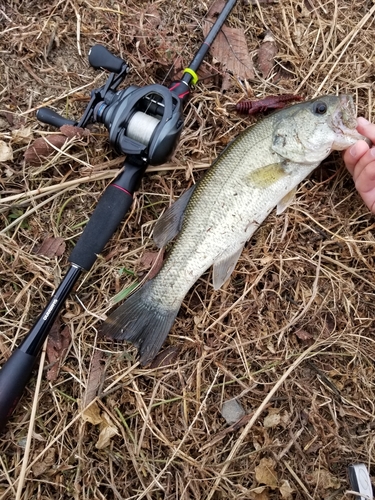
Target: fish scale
258,171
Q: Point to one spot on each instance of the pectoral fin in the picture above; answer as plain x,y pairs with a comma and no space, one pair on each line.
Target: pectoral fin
169,224
286,201
266,176
223,267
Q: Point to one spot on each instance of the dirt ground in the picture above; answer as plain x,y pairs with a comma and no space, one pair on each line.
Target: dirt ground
290,336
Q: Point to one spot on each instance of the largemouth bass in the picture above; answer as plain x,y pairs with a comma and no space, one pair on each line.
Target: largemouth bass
257,172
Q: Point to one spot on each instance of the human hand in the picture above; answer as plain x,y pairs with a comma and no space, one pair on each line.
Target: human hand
360,161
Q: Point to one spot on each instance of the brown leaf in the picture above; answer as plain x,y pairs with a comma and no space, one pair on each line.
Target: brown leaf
92,414
303,335
265,473
324,479
47,463
39,150
229,47
51,247
272,420
153,16
266,54
286,490
259,493
151,261
71,131
95,377
57,345
6,152
22,135
107,431
166,357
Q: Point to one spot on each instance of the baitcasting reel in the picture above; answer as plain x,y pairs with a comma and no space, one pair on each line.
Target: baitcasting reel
145,122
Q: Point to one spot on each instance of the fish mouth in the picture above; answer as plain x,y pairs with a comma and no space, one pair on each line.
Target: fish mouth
344,118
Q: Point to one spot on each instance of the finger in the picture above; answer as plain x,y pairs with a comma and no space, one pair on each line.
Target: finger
365,185
366,128
363,162
354,154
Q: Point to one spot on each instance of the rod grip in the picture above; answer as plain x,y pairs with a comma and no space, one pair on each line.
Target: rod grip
14,376
108,214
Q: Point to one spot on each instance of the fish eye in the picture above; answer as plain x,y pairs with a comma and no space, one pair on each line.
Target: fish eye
320,108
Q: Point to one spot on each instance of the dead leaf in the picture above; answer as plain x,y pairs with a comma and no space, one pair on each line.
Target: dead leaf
153,16
51,247
57,345
151,261
48,461
266,54
259,493
265,473
324,479
272,420
166,357
303,335
39,150
107,432
6,152
72,131
92,415
95,377
22,135
229,47
286,490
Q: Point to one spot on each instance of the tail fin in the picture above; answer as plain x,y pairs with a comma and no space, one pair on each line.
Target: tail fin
141,321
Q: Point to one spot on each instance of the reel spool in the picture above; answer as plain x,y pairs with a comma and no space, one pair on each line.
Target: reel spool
143,121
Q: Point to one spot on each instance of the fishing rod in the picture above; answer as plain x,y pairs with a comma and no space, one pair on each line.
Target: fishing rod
145,124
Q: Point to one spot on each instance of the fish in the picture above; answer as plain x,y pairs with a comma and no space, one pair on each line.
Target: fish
258,171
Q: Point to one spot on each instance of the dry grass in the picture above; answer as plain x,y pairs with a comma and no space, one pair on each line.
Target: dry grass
292,334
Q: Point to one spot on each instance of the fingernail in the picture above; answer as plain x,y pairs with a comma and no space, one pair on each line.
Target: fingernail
372,152
353,150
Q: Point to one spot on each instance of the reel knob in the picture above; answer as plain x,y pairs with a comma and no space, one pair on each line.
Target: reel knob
101,57
47,115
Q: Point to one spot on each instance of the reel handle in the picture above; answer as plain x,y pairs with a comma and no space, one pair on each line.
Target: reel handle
47,115
101,57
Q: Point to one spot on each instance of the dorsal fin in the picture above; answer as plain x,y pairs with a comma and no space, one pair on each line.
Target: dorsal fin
170,223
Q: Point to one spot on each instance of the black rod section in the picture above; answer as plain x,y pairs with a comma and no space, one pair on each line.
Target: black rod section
16,372
203,49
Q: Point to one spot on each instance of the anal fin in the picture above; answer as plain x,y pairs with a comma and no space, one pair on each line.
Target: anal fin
286,201
224,265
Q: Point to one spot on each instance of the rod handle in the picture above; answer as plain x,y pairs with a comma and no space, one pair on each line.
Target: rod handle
14,376
107,216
